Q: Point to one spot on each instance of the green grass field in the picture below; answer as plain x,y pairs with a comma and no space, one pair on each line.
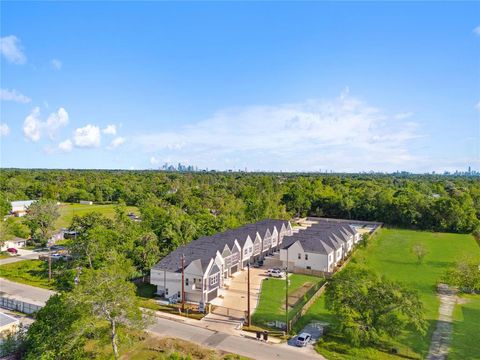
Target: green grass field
466,329
67,211
29,272
271,306
390,254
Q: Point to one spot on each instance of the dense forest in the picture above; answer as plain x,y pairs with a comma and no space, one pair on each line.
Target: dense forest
179,207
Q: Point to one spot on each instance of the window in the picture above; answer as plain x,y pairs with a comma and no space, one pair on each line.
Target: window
245,252
214,279
309,268
186,281
306,256
251,250
299,256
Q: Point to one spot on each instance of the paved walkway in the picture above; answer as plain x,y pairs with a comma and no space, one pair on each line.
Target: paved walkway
442,335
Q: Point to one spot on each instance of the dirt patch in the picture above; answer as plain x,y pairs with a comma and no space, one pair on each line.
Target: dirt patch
296,296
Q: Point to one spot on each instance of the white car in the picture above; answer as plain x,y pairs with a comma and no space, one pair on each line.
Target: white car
276,273
303,339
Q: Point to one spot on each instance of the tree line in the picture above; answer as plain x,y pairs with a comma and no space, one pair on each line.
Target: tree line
182,206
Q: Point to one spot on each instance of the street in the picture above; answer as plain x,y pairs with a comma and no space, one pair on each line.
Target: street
229,343
24,255
26,293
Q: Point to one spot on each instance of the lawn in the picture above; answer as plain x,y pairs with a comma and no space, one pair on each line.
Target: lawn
466,325
271,306
67,211
29,272
389,253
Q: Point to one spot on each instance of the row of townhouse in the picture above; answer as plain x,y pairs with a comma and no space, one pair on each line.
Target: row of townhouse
210,260
320,246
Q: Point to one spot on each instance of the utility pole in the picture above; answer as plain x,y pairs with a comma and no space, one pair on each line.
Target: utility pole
183,282
248,294
49,262
286,296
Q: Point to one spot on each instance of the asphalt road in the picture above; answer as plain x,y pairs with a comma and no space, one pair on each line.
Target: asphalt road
230,343
23,292
25,255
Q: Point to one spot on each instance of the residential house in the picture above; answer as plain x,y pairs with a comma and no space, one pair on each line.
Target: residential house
19,208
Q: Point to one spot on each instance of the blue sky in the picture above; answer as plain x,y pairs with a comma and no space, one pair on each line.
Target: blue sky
272,86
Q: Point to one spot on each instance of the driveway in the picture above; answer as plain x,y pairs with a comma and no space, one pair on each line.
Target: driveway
235,297
316,330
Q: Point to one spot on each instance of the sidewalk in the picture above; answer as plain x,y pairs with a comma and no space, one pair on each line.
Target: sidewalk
218,326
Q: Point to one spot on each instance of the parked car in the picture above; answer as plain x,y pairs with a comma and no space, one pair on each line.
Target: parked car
303,339
12,251
258,264
276,273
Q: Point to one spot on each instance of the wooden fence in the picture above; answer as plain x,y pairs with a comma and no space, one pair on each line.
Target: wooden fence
303,310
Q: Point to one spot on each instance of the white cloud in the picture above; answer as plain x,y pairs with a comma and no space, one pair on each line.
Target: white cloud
118,141
154,160
110,130
32,125
4,129
11,49
65,146
13,95
477,30
34,128
56,64
344,133
87,136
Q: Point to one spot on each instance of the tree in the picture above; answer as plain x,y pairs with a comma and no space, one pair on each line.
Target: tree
465,275
105,295
58,331
146,252
41,218
369,307
420,251
5,206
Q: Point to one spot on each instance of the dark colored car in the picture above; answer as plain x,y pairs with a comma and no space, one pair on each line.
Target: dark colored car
12,251
258,264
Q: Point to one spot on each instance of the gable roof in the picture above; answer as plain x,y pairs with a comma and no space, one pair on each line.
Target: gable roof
205,248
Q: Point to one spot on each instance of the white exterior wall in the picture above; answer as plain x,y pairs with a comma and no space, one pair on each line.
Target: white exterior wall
13,244
314,261
274,237
247,251
257,245
357,237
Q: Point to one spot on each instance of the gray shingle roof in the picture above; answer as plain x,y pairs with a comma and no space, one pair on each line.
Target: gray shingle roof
322,237
205,248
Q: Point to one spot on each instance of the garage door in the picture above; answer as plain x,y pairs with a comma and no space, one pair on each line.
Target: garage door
212,295
234,269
